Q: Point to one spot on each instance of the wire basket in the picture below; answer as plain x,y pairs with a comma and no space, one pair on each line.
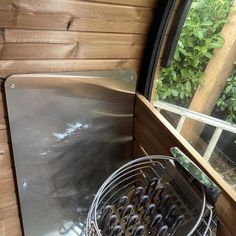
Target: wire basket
148,196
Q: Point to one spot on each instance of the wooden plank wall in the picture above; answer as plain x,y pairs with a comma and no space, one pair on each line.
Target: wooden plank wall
62,35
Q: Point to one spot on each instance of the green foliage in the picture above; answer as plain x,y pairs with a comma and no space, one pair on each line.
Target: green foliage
227,100
199,37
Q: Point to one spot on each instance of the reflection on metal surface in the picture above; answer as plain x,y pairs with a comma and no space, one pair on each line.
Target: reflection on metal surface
69,132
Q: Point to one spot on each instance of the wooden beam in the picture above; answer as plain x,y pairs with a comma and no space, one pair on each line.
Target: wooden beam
218,70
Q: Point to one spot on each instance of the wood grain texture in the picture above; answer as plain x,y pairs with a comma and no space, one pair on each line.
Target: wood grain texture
57,21
10,67
49,36
226,211
7,200
114,26
3,123
7,185
138,150
110,51
165,135
146,139
9,211
2,106
10,227
3,136
31,20
5,173
5,160
14,51
38,51
144,3
1,36
80,9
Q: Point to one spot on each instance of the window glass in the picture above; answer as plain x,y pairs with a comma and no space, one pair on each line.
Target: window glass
197,93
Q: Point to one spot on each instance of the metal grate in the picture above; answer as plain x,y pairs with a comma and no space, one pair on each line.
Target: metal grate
148,196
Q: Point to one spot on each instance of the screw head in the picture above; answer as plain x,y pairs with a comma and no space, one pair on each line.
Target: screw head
12,85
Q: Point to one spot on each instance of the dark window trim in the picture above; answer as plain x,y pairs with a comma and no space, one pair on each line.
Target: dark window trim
156,36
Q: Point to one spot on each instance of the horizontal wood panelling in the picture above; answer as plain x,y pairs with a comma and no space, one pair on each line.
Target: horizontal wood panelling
10,227
69,51
38,51
40,36
114,26
31,20
9,67
145,3
56,21
79,9
109,51
49,36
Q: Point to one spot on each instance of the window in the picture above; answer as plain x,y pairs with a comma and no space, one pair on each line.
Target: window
197,93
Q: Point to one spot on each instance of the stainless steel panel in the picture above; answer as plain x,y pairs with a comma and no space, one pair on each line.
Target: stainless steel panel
69,132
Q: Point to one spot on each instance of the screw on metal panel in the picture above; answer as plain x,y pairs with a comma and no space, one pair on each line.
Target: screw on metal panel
131,77
12,85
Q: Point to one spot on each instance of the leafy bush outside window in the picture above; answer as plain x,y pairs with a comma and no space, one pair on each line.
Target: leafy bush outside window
199,37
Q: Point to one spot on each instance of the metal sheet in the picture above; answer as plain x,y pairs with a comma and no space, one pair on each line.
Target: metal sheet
69,132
